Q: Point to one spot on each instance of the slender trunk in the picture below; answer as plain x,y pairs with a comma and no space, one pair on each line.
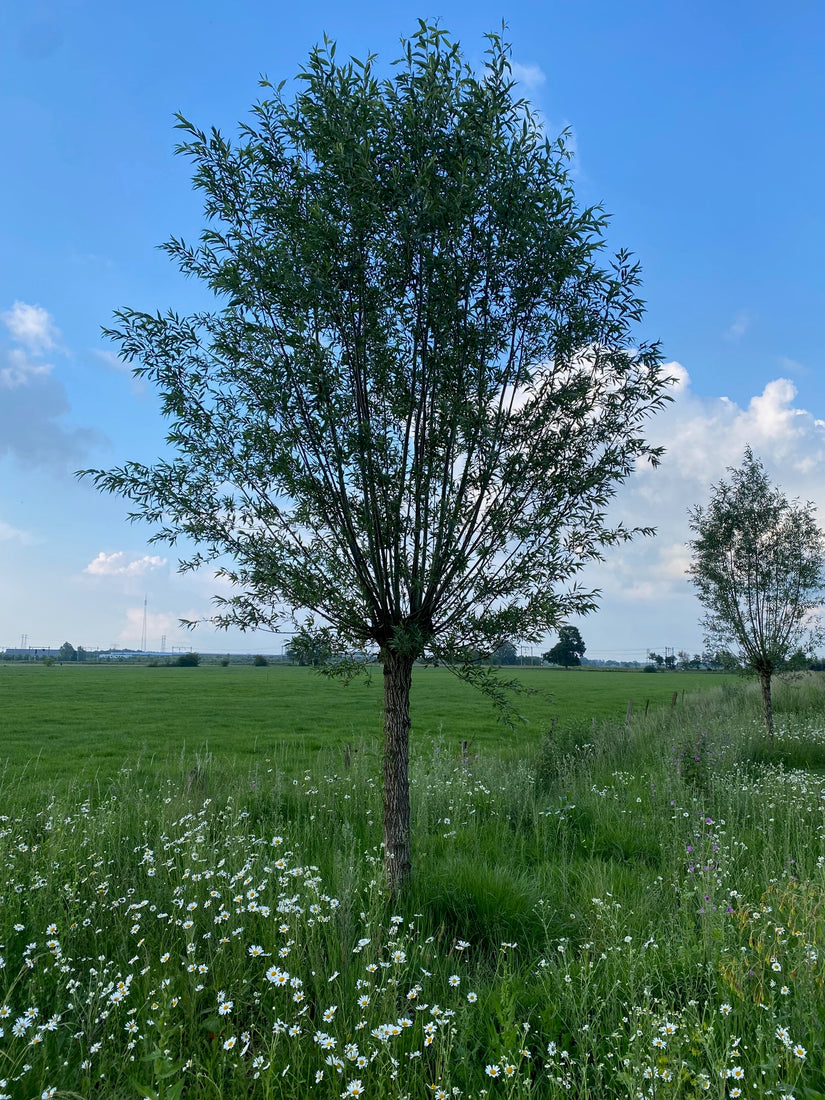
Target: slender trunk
397,683
765,683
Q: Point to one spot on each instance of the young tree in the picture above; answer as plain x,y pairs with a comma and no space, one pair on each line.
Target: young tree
419,389
568,650
312,647
505,654
759,567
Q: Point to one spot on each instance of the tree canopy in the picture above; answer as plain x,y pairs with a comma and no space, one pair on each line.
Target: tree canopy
505,654
421,383
568,650
759,568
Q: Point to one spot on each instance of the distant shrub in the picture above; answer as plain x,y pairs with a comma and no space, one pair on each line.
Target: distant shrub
259,660
224,662
650,668
188,660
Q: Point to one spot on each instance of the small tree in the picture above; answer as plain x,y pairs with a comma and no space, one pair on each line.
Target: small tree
799,661
67,652
726,661
421,387
759,568
312,647
568,650
188,660
505,654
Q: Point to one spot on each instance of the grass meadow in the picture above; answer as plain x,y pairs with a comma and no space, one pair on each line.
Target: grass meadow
72,720
191,901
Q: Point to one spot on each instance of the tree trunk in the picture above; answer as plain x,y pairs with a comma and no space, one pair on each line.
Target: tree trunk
397,683
765,683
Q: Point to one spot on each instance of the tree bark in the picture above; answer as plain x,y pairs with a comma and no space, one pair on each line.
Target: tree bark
397,683
767,704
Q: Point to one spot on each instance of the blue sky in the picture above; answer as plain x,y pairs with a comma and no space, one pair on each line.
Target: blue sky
698,126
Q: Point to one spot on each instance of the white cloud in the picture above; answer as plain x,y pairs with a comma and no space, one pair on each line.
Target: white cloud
163,624
32,329
31,326
118,565
703,437
791,366
739,326
531,76
10,534
158,625
112,361
18,368
33,400
116,365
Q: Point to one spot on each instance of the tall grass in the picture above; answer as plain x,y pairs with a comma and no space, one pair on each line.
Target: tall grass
624,911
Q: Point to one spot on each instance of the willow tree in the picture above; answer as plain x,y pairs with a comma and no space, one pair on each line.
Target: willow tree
759,569
419,386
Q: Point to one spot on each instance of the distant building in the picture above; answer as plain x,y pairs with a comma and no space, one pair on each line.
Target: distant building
31,653
126,654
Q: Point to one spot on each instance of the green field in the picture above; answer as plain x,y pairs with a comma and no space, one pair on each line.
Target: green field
90,719
192,903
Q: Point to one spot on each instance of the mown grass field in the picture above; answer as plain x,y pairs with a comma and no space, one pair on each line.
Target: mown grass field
90,719
611,912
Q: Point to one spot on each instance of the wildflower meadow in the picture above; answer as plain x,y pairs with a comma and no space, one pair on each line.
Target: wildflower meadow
620,910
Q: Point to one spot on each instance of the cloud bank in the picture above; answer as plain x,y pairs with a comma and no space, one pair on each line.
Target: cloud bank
30,326
119,565
703,437
32,400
